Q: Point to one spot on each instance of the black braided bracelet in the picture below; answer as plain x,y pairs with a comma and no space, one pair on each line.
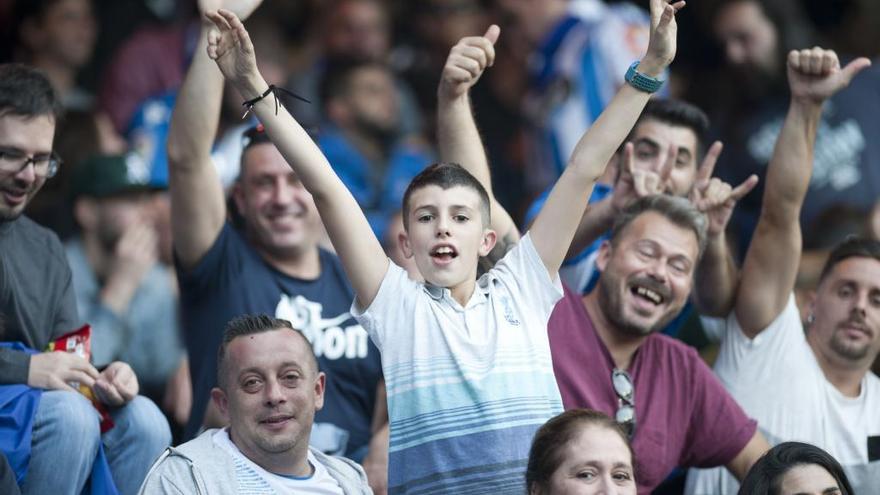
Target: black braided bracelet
249,104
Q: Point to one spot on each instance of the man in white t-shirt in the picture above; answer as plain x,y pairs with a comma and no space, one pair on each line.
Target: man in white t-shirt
810,382
269,388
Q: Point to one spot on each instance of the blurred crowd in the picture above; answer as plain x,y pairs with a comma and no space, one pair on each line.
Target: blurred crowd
361,78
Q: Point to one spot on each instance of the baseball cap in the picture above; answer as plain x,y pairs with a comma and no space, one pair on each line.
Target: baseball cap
108,175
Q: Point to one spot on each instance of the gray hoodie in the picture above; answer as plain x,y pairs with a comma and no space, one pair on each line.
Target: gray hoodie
201,467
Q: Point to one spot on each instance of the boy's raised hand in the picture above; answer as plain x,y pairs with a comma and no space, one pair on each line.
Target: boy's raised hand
662,41
466,62
230,46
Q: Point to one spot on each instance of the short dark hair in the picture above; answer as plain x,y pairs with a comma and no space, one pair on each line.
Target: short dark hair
765,476
679,211
243,325
852,247
548,445
26,92
446,175
338,73
677,113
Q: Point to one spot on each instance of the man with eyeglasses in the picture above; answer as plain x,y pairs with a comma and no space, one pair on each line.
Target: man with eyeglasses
57,436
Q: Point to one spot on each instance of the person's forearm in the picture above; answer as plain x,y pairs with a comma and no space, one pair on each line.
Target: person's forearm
361,253
788,175
197,201
715,281
553,230
458,139
196,114
14,366
598,218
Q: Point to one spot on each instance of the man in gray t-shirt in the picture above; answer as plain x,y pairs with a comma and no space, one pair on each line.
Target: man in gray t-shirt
38,306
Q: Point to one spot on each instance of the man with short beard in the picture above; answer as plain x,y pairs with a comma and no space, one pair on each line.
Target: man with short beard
608,354
360,136
269,388
749,106
57,432
806,382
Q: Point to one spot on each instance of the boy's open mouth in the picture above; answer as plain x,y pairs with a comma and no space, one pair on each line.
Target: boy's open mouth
444,252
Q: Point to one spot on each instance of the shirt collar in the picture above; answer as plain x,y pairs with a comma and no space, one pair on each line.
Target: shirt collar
481,291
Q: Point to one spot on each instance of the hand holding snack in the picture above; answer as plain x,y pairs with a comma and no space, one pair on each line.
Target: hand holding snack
72,350
56,370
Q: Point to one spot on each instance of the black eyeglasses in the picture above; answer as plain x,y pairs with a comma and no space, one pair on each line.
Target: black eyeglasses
626,401
14,160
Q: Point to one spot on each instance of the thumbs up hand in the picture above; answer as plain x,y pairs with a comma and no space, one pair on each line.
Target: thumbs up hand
815,74
466,62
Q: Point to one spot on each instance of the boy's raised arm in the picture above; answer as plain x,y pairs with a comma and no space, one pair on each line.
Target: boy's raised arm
362,256
458,139
555,225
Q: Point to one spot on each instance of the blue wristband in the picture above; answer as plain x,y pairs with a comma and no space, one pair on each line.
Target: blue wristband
641,81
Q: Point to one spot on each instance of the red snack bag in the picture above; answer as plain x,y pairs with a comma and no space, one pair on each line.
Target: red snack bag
79,342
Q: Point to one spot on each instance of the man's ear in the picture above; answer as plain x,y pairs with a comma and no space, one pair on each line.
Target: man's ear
221,401
604,255
320,384
403,244
238,196
811,304
489,240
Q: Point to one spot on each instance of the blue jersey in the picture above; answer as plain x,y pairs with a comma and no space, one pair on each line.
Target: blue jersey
573,75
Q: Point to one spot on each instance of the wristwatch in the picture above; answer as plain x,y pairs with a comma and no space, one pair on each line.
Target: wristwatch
641,81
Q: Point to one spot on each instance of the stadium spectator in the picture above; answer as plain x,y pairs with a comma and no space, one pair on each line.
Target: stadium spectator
269,263
582,49
749,107
361,137
38,305
809,382
58,37
581,452
355,30
269,388
600,330
447,227
121,288
792,468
